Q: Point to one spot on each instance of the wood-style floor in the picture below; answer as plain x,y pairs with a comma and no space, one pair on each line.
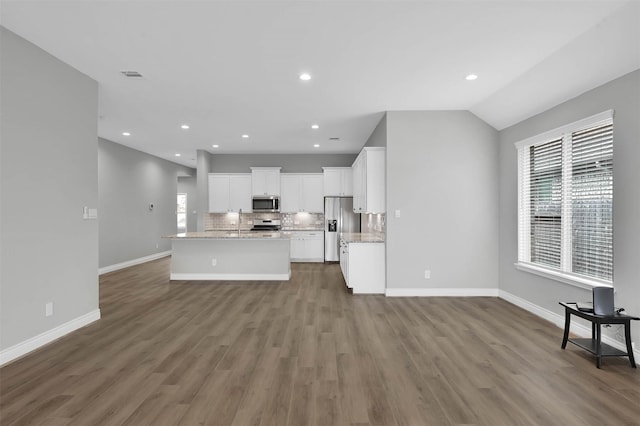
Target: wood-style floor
305,352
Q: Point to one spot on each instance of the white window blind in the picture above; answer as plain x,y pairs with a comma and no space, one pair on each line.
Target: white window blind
565,199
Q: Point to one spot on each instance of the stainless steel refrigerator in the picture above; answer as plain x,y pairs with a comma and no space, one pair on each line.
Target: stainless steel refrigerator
338,217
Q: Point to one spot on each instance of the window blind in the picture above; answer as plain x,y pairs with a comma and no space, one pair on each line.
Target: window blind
565,199
592,201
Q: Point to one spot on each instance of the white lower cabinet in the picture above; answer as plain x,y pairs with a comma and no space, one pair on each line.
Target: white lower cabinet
307,246
363,267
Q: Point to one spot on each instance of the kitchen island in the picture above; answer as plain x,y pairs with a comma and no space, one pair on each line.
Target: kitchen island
362,261
230,255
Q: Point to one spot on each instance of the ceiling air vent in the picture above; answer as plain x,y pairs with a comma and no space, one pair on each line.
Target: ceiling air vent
131,74
334,139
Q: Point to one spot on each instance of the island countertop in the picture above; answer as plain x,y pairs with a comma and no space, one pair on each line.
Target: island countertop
226,235
362,237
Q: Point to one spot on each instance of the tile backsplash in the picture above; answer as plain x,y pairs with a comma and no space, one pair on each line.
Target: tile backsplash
229,221
373,222
370,223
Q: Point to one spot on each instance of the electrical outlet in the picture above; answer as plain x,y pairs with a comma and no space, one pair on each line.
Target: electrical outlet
157,245
214,262
48,309
427,274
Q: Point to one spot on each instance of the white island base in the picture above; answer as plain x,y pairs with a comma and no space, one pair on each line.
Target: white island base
244,258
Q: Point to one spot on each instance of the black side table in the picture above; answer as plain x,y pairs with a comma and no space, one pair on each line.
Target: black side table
595,345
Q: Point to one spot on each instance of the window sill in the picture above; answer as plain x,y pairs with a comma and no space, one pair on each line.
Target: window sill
574,280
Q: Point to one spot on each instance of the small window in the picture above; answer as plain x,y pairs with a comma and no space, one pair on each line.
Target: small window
565,201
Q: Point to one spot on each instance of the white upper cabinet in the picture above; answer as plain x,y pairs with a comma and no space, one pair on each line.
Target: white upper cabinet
369,182
301,193
312,193
290,193
240,192
338,181
265,180
229,192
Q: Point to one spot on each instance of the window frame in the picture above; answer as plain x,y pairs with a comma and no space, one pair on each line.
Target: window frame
524,222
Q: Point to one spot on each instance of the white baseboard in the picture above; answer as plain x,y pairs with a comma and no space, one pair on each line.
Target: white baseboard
16,351
230,277
558,319
441,292
133,262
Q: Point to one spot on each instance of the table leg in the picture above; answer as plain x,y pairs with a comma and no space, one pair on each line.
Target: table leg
567,325
627,338
598,346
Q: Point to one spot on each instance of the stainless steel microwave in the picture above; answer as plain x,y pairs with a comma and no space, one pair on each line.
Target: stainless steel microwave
266,203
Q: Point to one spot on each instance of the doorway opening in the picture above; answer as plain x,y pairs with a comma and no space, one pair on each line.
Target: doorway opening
181,212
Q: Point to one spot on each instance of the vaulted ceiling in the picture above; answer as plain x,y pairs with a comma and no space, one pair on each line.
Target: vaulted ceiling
231,68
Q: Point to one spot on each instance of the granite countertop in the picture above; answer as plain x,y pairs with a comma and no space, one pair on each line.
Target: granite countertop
228,235
358,237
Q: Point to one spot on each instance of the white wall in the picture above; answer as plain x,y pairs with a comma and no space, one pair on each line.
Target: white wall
130,180
442,174
623,96
48,174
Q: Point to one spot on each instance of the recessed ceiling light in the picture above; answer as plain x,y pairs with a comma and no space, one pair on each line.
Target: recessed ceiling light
216,146
305,77
178,155
471,77
184,126
126,134
316,145
315,126
245,136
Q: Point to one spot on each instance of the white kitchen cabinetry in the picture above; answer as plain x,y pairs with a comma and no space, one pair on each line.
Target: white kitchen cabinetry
265,180
338,181
363,267
307,246
229,192
301,193
369,181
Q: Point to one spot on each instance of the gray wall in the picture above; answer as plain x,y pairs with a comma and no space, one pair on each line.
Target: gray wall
442,174
290,163
622,95
189,185
379,135
129,180
47,175
202,183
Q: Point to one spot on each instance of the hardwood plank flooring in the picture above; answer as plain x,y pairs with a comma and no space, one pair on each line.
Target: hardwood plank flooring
305,352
